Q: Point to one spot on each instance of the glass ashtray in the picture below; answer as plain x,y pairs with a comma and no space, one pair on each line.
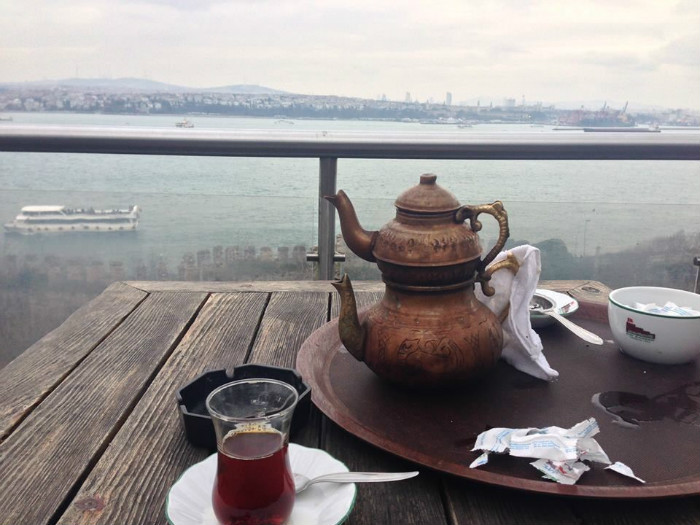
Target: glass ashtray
191,399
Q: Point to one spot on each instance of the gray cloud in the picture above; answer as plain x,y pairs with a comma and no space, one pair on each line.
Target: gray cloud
684,51
368,47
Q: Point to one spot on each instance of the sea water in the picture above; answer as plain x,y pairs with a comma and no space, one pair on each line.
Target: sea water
195,203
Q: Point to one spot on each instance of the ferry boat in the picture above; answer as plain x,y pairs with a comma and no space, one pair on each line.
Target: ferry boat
184,123
62,219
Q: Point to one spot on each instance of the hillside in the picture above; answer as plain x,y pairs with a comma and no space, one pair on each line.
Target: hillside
139,85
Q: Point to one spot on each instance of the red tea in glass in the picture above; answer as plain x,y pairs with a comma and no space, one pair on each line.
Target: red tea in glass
254,483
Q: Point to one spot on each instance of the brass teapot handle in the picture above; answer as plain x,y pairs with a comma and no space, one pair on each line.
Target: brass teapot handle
472,213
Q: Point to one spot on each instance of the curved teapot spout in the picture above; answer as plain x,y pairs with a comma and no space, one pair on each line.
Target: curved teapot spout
352,334
359,240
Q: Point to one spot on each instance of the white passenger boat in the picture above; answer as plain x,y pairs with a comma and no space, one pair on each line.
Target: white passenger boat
62,219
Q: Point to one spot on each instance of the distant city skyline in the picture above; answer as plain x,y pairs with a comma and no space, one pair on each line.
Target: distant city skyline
646,52
33,95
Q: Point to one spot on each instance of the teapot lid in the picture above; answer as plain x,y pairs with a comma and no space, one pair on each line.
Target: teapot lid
427,197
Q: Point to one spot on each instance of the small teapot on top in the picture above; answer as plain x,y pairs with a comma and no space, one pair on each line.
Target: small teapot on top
429,329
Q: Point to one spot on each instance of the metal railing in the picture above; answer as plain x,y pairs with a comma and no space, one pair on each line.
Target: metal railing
329,146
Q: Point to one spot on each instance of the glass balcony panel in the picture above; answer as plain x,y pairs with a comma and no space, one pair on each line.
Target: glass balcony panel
615,243
205,218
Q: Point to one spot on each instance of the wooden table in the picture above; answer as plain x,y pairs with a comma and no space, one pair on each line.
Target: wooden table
90,432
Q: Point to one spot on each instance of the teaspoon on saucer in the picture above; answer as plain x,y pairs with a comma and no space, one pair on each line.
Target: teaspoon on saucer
301,482
543,306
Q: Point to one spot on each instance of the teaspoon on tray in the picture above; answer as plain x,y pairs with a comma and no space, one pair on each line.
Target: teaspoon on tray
301,482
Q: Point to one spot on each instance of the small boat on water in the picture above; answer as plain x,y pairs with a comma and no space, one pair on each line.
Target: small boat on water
62,219
184,123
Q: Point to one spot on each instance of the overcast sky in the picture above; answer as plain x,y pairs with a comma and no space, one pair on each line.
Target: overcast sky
644,51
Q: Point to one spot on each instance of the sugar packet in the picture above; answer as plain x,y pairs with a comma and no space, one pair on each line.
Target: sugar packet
560,453
668,309
623,469
564,472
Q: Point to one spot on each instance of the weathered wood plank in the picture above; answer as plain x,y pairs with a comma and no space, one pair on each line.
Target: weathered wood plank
562,286
57,443
362,298
413,501
591,295
676,511
233,320
149,452
31,376
289,319
471,503
297,286
475,504
247,286
219,338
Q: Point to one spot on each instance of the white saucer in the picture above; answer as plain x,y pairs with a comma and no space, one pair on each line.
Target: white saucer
189,499
564,305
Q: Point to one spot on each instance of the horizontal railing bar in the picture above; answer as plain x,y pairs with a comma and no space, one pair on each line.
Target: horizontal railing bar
562,145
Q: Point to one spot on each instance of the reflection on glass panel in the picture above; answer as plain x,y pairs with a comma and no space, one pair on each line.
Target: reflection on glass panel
620,222
617,244
204,218
174,233
44,276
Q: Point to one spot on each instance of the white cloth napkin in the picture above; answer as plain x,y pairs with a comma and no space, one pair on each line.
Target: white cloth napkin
522,347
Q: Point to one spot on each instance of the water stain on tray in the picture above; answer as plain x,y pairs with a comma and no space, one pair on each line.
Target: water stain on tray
682,405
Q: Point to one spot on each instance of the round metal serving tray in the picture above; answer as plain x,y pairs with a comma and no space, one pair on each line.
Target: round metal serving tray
652,420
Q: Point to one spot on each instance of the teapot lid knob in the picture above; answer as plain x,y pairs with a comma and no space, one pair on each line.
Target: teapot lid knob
427,197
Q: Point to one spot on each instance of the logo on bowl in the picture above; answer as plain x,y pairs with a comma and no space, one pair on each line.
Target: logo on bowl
638,333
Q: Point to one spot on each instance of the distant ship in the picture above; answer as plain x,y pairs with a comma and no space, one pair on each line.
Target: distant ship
184,123
623,129
62,219
605,117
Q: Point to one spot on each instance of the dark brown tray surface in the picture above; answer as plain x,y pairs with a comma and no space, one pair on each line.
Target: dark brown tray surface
658,406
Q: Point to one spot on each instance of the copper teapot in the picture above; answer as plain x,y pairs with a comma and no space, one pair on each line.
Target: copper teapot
429,329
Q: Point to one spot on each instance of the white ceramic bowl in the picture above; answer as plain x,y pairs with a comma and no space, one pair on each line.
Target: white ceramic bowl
653,337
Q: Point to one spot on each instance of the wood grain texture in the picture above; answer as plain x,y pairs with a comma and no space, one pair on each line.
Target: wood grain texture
674,511
57,353
58,442
471,503
247,286
126,473
289,319
104,442
363,299
413,501
299,286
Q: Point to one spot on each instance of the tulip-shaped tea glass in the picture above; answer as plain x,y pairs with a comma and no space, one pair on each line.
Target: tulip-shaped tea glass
254,482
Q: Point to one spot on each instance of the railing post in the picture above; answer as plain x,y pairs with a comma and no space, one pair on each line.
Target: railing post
328,175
